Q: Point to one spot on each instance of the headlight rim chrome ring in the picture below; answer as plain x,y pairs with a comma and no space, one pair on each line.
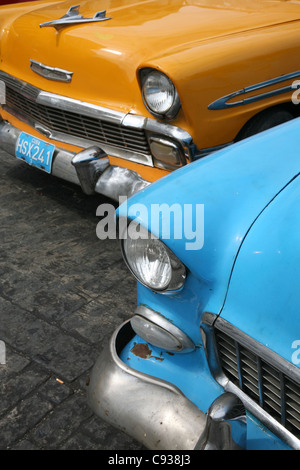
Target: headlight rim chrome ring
169,115
176,286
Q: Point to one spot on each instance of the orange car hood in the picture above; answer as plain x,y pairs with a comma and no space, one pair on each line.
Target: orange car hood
104,56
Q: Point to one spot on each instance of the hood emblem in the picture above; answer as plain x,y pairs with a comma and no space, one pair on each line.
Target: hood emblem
52,73
72,17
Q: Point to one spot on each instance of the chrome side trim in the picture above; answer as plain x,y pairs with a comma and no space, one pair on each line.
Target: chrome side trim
150,126
222,103
207,333
51,73
72,17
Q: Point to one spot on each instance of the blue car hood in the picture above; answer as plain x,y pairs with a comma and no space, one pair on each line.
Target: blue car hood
263,298
234,185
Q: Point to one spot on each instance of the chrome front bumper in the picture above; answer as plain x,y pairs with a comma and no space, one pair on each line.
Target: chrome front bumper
155,412
90,168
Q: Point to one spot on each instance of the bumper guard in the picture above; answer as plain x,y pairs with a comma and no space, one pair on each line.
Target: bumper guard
89,168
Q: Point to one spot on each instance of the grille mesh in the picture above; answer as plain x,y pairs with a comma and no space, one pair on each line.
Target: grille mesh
268,387
77,125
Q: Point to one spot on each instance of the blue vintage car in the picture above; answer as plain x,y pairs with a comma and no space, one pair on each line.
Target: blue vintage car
210,358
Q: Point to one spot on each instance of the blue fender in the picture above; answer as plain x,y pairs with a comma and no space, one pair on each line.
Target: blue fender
264,297
234,185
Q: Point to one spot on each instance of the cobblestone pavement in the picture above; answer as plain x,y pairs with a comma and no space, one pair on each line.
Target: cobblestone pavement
62,293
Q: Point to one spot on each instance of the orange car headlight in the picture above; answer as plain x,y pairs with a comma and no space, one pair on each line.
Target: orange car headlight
159,94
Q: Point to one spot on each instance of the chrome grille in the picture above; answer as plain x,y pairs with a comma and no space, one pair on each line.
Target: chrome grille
78,125
269,386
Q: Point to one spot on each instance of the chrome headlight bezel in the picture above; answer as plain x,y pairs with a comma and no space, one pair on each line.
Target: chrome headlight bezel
172,110
177,269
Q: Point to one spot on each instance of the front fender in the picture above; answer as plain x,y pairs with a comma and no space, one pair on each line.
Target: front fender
234,185
263,297
212,69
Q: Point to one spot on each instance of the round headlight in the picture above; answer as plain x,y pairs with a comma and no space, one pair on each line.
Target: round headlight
160,95
153,264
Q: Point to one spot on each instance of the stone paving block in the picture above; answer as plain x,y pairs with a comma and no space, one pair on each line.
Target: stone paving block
13,365
62,423
54,390
26,415
62,292
25,445
107,436
18,387
97,320
80,442
46,344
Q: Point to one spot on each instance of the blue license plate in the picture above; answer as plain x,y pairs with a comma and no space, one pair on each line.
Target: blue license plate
35,152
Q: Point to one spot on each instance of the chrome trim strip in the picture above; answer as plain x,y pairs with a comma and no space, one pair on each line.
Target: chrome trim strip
207,327
2,93
51,73
79,107
27,90
260,350
222,103
150,126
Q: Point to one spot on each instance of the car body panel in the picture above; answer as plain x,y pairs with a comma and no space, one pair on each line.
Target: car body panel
9,2
235,185
193,378
262,300
208,49
265,279
247,271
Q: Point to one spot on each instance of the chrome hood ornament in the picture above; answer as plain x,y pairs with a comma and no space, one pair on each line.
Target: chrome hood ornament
72,17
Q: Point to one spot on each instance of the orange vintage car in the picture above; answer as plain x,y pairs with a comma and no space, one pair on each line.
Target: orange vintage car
114,94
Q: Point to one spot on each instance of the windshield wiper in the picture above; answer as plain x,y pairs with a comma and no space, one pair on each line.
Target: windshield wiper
73,17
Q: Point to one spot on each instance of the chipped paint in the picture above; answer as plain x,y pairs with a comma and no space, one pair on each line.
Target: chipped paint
143,351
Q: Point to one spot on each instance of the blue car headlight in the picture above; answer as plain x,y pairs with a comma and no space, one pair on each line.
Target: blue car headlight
152,262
